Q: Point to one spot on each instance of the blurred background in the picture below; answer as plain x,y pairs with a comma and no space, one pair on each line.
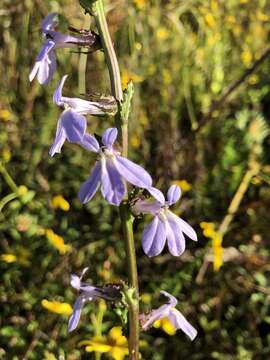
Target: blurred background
200,119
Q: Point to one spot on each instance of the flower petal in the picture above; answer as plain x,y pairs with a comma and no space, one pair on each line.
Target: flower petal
90,143
180,322
173,194
89,187
146,207
109,137
157,314
112,186
75,316
157,194
49,22
175,237
184,226
172,300
59,140
82,106
74,125
75,282
45,64
132,172
57,96
154,237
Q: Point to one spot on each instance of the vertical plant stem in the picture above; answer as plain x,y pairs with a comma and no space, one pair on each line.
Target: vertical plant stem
125,215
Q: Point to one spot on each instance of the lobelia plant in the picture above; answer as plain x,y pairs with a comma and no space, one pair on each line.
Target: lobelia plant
112,171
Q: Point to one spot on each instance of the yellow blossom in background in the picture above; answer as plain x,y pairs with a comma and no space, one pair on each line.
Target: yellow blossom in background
128,76
135,141
146,298
210,20
246,57
5,115
58,242
57,307
262,17
22,190
140,4
183,184
165,325
162,33
115,344
59,202
6,155
210,232
167,77
217,252
253,79
8,258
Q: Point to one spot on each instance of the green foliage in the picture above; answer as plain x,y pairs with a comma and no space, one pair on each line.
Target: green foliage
181,57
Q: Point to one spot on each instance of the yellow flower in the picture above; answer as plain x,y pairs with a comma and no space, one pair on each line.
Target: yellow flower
167,77
210,232
246,57
162,33
135,141
210,20
263,17
253,79
217,252
58,202
8,258
58,242
140,4
206,225
57,307
165,325
146,298
115,344
5,115
6,155
183,184
128,76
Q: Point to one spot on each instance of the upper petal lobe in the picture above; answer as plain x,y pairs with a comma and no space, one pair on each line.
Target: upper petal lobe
132,172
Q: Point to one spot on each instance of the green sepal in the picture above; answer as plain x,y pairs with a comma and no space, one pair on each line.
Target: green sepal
126,103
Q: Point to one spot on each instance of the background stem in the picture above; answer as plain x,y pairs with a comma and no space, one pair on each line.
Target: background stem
125,215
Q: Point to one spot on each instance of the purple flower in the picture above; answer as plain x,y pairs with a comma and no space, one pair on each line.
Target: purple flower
110,170
169,311
45,64
72,124
165,225
88,293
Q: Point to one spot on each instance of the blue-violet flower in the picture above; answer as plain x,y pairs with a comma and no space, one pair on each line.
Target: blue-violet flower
169,311
72,124
88,293
45,64
110,169
165,225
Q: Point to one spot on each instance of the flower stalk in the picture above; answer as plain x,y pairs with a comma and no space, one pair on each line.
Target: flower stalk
125,215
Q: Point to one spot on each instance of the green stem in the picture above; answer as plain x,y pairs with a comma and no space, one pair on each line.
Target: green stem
108,48
8,178
125,215
127,226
